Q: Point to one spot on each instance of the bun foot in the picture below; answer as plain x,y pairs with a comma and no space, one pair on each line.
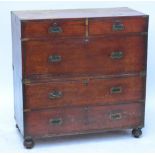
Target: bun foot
137,132
28,142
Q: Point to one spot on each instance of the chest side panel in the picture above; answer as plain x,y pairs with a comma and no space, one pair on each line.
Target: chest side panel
17,72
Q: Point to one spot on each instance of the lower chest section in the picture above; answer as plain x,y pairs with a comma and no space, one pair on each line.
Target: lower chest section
83,106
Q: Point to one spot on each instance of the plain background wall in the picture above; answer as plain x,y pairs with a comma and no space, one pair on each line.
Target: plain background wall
11,141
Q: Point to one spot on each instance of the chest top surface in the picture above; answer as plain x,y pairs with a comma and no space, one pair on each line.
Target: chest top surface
76,13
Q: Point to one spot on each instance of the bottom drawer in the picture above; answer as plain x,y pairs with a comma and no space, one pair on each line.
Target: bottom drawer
73,120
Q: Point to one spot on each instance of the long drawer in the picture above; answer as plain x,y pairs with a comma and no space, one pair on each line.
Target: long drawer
100,55
61,121
84,92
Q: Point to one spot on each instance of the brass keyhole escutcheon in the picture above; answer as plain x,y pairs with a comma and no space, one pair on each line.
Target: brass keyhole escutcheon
85,82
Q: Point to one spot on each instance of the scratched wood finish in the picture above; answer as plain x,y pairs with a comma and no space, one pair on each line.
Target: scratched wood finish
96,91
82,119
89,58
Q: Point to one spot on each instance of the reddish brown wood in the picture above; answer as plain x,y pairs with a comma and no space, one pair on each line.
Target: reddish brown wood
80,58
96,91
83,119
77,27
85,75
104,26
70,27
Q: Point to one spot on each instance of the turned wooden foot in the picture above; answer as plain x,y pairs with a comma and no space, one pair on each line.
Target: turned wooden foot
28,142
137,132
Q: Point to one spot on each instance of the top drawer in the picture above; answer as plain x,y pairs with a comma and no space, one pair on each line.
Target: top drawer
48,28
83,26
117,25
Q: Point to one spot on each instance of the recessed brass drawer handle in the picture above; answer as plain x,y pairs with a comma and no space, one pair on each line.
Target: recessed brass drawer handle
118,27
115,116
55,29
54,58
55,121
117,55
116,90
55,95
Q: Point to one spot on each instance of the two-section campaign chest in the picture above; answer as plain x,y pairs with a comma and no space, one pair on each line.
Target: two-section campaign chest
79,71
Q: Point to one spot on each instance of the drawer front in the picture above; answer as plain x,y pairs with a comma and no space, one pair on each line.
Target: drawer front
53,28
84,92
117,25
77,27
109,55
61,121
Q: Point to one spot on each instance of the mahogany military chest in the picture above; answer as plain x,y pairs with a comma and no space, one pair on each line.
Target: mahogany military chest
79,71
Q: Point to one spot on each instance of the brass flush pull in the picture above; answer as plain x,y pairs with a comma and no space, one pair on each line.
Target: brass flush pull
116,90
117,55
55,29
54,58
55,121
55,94
115,116
118,26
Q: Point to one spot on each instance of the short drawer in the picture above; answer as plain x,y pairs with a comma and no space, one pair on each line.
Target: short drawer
61,121
84,92
53,28
100,26
100,55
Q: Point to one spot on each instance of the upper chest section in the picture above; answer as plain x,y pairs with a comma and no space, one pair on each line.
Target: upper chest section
80,22
82,42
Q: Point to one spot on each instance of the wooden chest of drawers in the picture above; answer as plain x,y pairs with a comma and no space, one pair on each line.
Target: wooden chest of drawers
79,71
